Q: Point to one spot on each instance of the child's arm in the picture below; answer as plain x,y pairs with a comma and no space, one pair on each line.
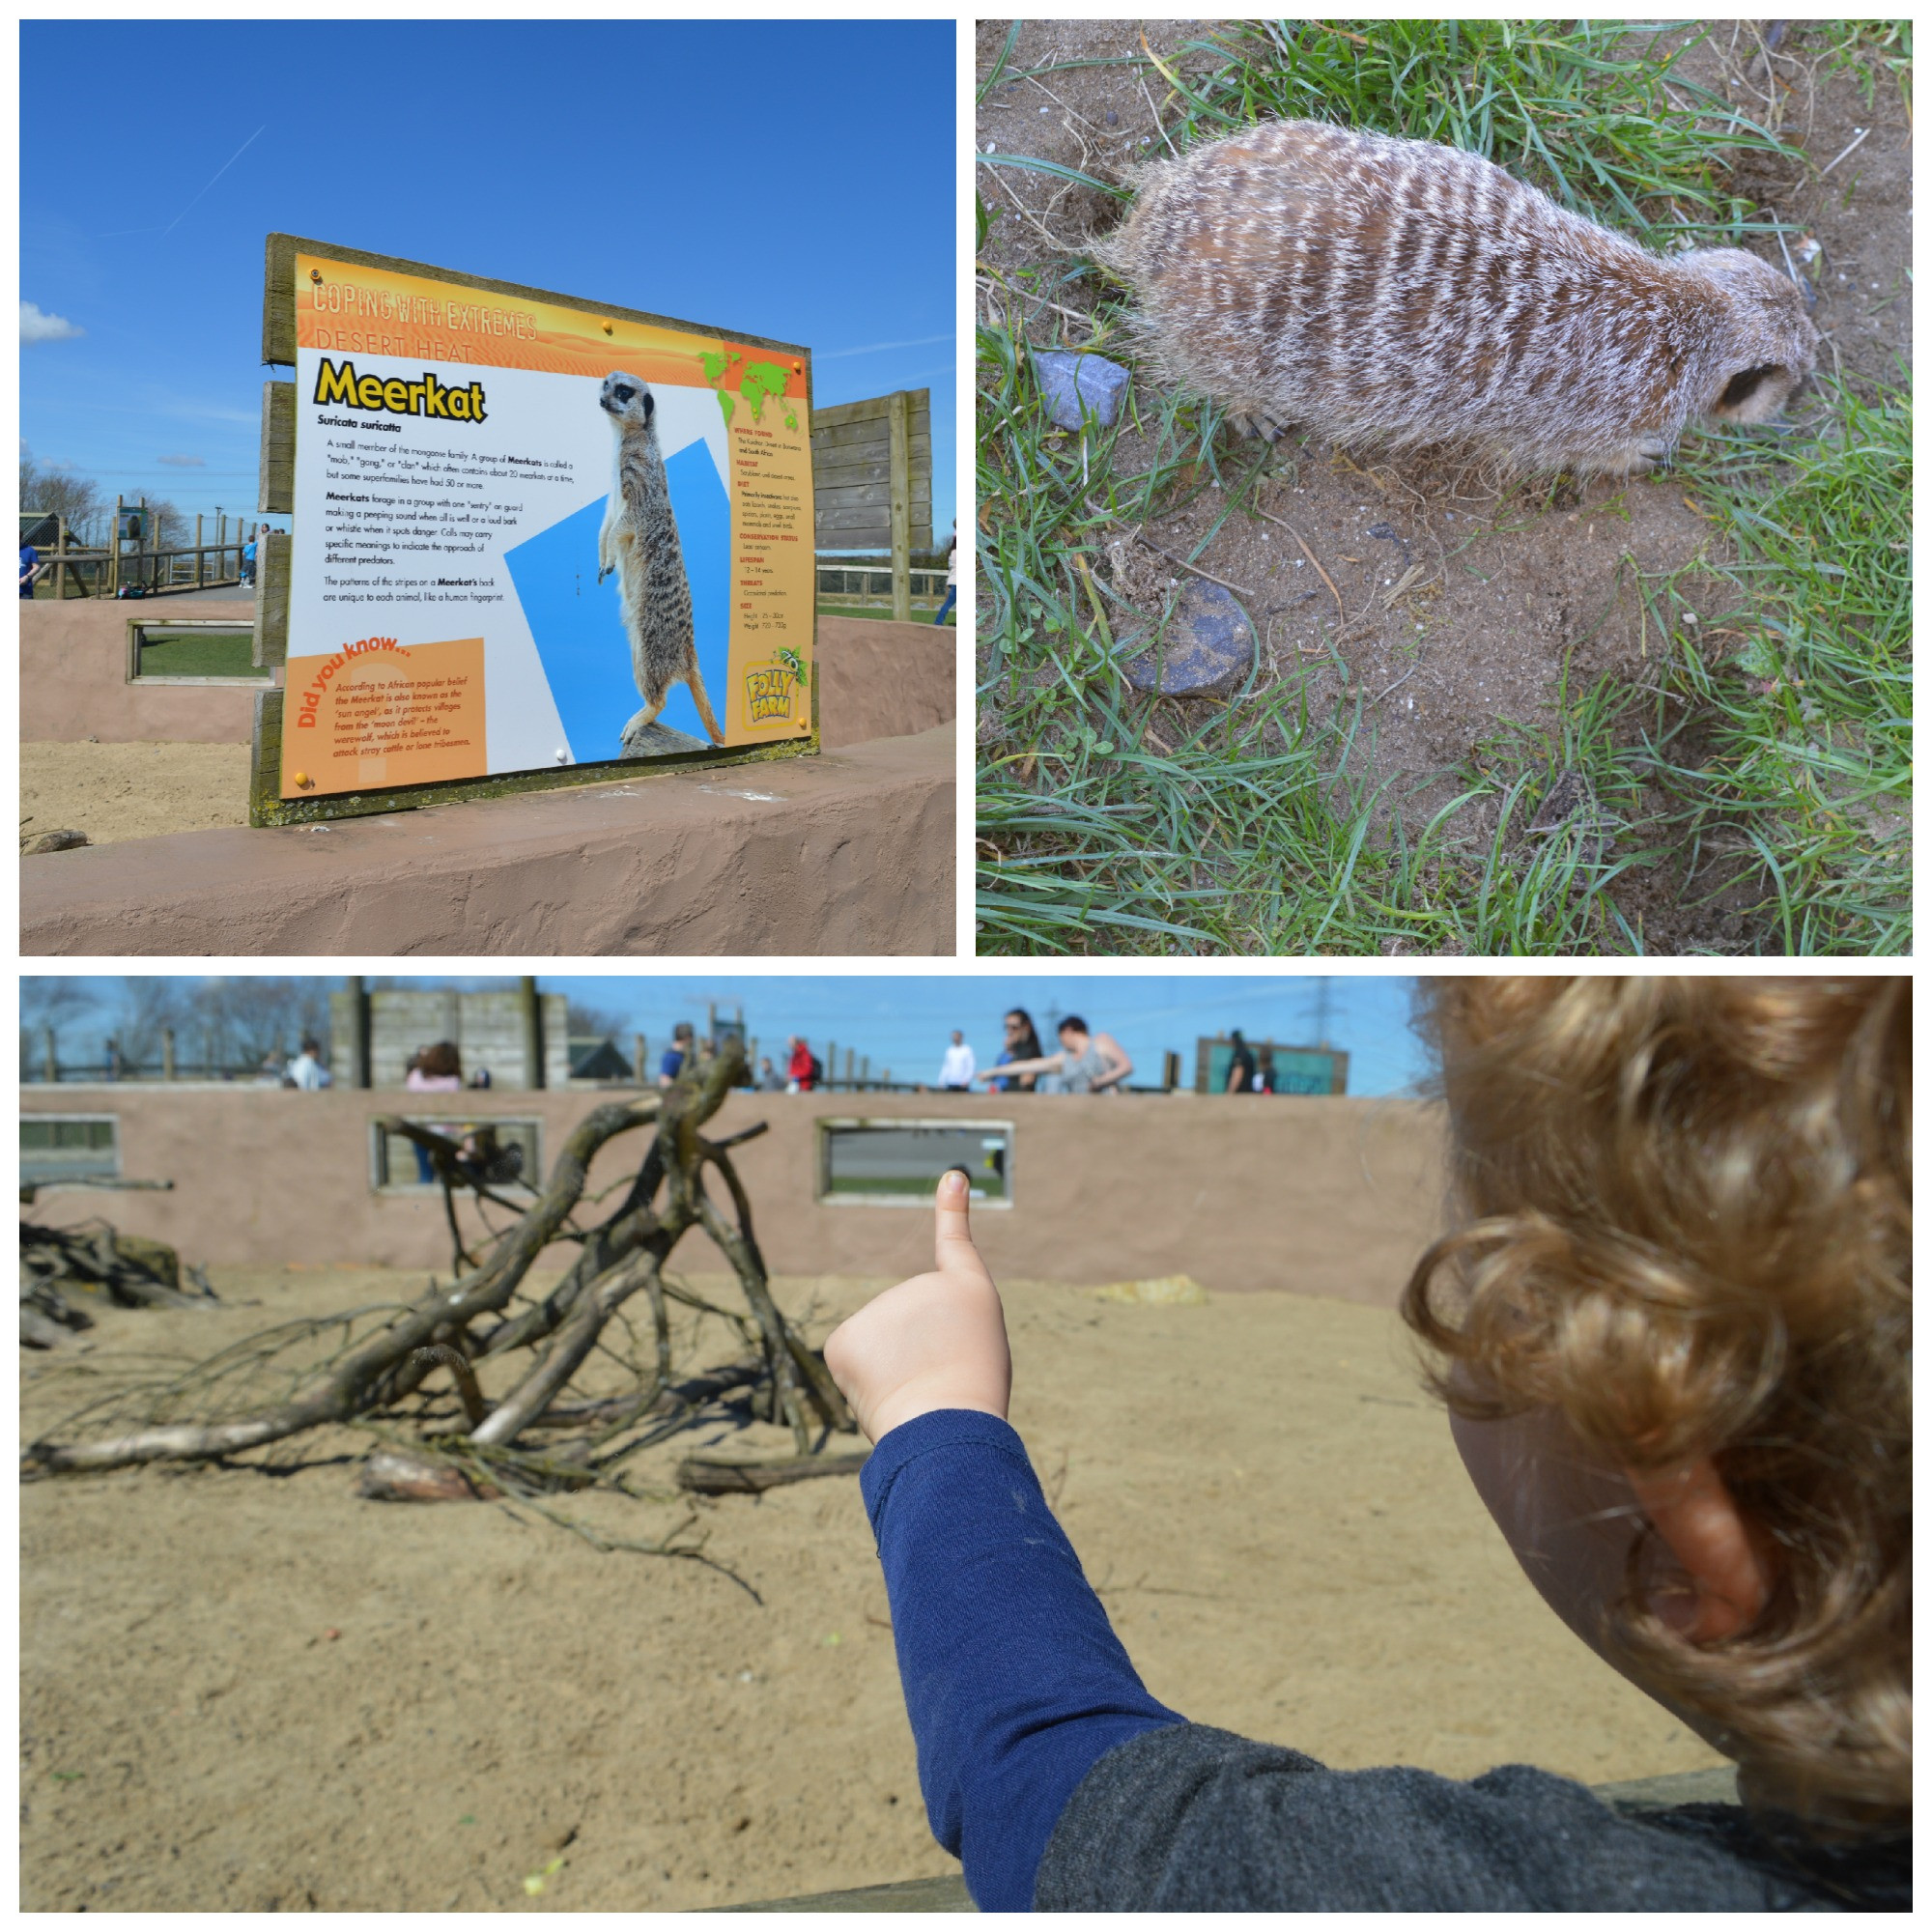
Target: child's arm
1014,1682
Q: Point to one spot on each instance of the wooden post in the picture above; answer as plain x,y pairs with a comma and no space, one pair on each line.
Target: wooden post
167,1053
60,559
848,1066
641,1062
831,1062
114,553
49,1057
865,1069
200,555
358,1031
531,1009
899,426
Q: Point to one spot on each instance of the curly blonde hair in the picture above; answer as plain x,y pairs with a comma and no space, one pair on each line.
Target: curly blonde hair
1685,1214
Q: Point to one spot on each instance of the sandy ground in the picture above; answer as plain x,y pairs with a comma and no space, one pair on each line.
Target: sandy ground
251,1691
132,791
1462,605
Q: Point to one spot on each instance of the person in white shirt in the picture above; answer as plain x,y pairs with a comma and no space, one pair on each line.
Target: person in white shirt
956,1071
306,1070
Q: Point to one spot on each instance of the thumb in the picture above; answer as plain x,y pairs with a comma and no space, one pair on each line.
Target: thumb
951,1231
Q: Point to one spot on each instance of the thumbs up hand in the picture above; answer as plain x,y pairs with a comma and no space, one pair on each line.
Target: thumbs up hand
938,1341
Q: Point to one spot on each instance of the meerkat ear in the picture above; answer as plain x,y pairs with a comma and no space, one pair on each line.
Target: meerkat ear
650,405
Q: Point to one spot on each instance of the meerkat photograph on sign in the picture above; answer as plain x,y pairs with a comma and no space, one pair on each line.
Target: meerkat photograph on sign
1444,486
540,535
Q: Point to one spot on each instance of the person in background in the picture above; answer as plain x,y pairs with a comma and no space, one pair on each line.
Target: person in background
480,1077
956,1070
1086,1062
676,1054
1241,1066
951,573
1264,1069
269,1072
248,561
769,1079
436,1069
802,1069
1022,1042
305,1072
32,569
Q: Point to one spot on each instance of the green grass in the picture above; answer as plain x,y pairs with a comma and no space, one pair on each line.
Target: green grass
1768,775
921,1186
922,613
198,654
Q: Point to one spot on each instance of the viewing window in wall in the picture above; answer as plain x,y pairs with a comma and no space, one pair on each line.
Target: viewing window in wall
898,1163
507,1155
70,1147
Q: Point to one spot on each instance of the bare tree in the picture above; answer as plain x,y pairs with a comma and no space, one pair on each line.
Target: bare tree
61,492
150,1006
588,1022
52,1002
241,1021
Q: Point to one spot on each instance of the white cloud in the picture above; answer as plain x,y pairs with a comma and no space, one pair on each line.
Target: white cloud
35,327
183,462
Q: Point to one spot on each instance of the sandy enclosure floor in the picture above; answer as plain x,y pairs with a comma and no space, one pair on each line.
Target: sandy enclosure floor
113,792
250,1691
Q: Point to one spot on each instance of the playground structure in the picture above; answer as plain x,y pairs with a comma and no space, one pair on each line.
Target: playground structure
138,565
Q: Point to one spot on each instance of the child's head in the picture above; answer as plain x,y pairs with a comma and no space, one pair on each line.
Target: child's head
1682,1257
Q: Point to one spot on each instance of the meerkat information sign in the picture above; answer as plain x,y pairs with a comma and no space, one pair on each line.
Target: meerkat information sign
531,535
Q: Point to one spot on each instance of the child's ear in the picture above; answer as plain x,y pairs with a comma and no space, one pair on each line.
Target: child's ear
1727,1576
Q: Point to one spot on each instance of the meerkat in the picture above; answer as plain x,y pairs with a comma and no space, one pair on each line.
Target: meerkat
638,541
1398,292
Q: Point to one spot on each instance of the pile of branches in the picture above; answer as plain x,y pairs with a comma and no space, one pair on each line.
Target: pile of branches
97,1260
542,1435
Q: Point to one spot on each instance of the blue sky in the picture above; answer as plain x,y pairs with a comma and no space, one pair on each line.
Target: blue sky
904,1021
793,180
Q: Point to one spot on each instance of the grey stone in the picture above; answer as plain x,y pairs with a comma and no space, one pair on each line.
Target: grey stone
1206,651
1067,381
657,741
53,842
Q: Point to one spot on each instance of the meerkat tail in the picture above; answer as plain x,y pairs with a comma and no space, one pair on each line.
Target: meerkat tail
703,703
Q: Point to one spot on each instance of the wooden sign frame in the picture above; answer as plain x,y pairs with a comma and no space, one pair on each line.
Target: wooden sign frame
266,805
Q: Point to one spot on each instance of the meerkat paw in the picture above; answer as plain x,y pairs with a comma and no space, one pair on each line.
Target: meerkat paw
604,569
1254,420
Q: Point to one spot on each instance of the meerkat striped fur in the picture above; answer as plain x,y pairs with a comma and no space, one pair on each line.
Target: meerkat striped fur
1395,293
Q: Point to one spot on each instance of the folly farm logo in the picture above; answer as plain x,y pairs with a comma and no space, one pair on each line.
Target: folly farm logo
769,688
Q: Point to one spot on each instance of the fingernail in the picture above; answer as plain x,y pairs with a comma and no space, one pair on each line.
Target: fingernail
953,1181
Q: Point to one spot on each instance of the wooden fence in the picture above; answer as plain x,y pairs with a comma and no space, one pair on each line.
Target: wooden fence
872,480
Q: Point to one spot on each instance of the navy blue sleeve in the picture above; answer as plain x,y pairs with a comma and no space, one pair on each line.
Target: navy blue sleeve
1014,1681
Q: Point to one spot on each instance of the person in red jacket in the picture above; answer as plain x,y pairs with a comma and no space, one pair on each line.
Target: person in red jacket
802,1069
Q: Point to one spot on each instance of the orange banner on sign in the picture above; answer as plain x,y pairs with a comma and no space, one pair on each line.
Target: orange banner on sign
349,309
373,714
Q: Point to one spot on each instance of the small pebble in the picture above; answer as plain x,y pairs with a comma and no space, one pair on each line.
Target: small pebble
1113,119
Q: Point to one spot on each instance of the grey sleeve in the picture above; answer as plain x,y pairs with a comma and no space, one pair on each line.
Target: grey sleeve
1192,1819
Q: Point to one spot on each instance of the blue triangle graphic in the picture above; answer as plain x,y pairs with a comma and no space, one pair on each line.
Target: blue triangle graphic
580,631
